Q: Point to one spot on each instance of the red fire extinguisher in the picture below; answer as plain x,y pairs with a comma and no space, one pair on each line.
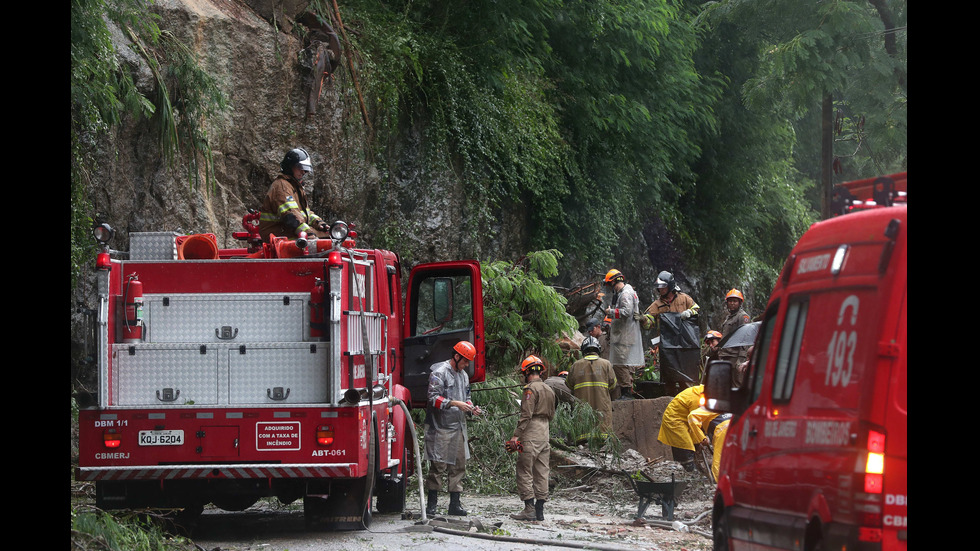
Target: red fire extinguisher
133,301
317,309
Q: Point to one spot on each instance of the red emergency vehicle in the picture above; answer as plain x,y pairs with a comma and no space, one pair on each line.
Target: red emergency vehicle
283,369
816,456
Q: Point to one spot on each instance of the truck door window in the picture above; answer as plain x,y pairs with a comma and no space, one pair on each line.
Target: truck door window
760,353
789,350
444,305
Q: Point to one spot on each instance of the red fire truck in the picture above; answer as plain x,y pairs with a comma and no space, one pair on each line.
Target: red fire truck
279,369
816,456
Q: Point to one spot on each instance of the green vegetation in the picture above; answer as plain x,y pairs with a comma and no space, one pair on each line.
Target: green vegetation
604,118
125,531
103,92
523,315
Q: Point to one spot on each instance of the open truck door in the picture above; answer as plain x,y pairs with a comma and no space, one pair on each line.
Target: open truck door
443,305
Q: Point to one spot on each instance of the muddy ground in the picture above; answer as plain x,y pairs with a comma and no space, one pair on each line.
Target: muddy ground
589,509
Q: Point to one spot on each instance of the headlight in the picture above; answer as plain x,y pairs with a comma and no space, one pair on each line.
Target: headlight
338,231
103,233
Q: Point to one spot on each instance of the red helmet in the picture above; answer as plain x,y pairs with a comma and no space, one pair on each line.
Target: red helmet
532,364
735,293
466,350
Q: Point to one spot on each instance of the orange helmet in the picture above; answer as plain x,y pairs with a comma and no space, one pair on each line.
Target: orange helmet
712,335
614,275
532,364
465,349
735,293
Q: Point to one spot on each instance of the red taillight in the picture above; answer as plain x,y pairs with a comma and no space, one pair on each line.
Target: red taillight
335,258
869,534
324,435
874,468
111,439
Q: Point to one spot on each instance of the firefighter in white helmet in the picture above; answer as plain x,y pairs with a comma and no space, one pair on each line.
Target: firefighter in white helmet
592,379
531,440
285,210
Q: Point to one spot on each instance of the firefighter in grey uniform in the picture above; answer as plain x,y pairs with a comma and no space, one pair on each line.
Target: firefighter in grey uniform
625,336
532,435
445,427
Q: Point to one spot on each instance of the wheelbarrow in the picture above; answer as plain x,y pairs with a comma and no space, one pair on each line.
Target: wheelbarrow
664,493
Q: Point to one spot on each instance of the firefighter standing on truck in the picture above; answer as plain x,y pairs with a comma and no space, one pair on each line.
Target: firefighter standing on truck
445,427
531,439
285,211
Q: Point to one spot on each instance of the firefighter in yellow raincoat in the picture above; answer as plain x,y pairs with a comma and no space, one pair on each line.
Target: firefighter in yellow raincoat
674,429
702,421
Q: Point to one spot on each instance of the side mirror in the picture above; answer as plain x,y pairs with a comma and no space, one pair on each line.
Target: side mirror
718,391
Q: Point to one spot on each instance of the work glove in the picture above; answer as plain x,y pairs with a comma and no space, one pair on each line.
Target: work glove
637,316
686,314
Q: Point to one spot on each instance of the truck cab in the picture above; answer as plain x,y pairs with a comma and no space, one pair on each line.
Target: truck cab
816,454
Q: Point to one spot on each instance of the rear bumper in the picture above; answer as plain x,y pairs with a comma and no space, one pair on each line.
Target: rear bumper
217,471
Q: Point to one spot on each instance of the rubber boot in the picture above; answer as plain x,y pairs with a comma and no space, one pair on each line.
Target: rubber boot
539,509
527,513
454,507
430,502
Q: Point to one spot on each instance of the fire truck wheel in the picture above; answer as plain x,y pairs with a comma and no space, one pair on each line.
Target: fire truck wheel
720,529
391,490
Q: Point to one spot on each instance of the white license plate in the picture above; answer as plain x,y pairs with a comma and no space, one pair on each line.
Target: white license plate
161,437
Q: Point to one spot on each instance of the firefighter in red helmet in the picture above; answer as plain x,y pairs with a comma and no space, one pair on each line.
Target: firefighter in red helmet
447,407
532,432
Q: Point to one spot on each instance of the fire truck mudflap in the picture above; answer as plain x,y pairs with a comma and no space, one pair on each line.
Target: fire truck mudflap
271,371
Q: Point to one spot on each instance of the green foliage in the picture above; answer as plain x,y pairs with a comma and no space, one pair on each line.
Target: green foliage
103,91
492,469
855,50
523,314
95,529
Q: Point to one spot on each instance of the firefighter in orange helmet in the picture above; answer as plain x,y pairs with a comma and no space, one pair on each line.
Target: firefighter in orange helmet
622,308
285,210
737,317
532,432
709,351
445,426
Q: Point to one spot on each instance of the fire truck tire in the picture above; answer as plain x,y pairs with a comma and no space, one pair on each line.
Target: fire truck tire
391,491
348,504
720,530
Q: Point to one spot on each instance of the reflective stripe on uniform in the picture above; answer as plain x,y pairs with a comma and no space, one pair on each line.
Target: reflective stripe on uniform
586,384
